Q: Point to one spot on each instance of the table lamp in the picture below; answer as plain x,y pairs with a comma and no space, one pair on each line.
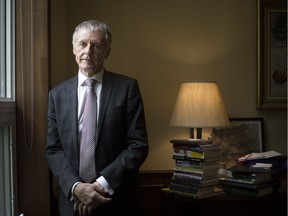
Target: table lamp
199,105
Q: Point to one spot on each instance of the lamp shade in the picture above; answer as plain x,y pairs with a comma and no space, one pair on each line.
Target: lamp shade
199,105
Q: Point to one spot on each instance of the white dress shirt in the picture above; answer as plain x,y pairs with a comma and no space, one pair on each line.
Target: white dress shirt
82,89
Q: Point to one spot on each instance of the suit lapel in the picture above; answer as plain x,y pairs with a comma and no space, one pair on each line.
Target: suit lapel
105,98
73,110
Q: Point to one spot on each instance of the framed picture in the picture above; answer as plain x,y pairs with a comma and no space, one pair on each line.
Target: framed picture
272,54
241,137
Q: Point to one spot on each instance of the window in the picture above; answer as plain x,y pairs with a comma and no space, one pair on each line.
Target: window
6,177
7,107
7,53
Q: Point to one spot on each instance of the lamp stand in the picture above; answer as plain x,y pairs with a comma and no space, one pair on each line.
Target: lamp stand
198,133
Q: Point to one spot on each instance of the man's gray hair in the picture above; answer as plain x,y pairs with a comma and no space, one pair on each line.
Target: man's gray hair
93,25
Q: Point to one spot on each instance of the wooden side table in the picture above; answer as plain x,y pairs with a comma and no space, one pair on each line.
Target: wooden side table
225,205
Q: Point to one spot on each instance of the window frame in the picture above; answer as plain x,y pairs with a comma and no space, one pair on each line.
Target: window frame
8,104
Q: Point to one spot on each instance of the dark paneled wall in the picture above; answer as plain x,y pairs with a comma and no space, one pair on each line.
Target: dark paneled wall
32,63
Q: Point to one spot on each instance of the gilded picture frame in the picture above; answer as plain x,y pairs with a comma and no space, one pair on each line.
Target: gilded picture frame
272,54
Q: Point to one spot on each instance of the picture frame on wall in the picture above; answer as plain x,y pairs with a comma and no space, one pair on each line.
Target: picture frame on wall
272,54
243,136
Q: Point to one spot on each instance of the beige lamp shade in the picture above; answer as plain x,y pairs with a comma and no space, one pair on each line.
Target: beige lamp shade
199,105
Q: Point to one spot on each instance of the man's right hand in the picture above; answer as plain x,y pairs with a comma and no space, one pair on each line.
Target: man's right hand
89,196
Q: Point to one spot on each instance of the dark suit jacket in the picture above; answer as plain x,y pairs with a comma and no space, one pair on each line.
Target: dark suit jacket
121,148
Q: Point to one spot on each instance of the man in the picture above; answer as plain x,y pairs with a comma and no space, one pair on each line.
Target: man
118,136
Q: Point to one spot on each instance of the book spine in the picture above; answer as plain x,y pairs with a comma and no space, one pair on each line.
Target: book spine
239,180
189,169
189,163
191,142
183,188
184,157
247,192
188,147
187,176
189,153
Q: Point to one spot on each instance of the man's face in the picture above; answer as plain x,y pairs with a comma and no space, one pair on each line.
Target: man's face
90,50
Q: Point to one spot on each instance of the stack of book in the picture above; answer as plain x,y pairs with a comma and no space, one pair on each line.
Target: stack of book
196,166
249,181
278,169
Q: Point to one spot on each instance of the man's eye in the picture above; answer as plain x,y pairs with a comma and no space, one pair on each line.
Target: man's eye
95,46
82,44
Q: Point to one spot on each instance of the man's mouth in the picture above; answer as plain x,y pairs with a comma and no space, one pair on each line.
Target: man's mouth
88,60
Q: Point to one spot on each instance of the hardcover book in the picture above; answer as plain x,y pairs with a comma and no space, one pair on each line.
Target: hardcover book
184,157
248,186
199,148
249,192
251,178
195,142
195,154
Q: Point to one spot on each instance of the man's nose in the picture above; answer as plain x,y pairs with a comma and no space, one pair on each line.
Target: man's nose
88,49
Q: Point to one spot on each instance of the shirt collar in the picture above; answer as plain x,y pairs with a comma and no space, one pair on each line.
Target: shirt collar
82,77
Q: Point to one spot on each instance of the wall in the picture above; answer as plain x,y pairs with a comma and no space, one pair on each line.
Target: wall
163,43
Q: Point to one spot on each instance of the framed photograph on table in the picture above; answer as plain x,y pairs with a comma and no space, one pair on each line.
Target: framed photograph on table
272,54
241,137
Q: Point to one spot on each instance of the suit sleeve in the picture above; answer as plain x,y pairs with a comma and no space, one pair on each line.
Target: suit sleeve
127,163
57,160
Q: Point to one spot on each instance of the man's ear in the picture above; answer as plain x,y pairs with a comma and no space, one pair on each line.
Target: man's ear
107,53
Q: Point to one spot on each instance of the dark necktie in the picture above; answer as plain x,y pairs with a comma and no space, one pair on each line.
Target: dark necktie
88,138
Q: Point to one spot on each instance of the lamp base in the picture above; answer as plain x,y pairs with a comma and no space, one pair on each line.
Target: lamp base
198,133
